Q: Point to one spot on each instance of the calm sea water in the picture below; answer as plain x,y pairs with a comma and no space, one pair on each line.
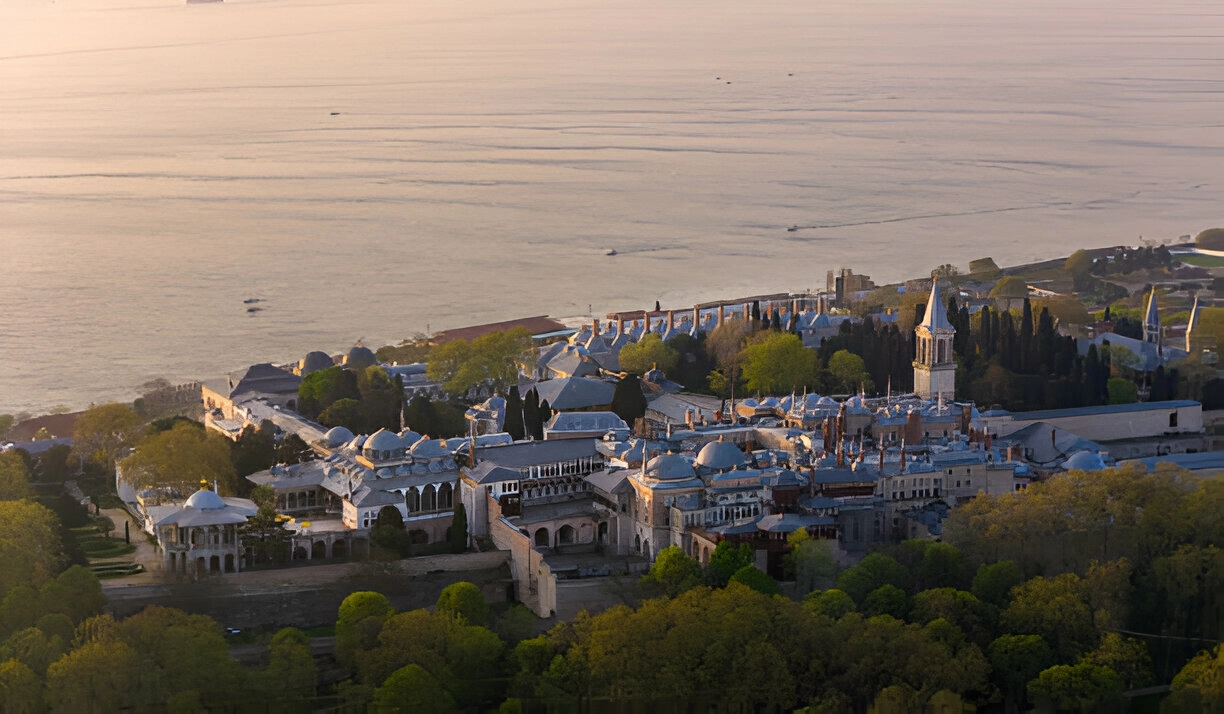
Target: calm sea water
372,169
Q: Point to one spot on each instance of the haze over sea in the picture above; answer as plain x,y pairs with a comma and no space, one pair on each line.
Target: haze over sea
376,169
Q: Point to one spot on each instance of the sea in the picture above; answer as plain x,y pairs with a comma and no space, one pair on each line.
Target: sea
370,170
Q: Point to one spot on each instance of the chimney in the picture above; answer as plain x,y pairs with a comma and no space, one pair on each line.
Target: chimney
722,314
671,321
595,327
903,456
696,316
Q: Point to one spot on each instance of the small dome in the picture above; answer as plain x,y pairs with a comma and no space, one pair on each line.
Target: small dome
409,437
826,402
313,362
670,467
383,440
1084,461
360,357
721,455
205,500
337,436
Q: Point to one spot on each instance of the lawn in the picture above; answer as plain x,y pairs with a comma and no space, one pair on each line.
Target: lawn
1200,260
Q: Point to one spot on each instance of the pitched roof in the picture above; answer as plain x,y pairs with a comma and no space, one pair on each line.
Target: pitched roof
575,393
936,317
537,325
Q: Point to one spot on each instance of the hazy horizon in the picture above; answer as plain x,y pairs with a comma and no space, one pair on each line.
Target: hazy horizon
373,169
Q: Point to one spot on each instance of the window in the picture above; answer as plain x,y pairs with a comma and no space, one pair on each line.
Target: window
1173,420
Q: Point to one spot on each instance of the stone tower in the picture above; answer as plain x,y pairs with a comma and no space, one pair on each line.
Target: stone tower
934,365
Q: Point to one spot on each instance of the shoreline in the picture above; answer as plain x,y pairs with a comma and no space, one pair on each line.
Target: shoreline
684,296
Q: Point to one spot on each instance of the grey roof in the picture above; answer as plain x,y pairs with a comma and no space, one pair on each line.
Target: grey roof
791,522
534,453
609,480
1105,410
1205,460
570,393
488,472
574,361
282,477
337,436
262,378
844,475
360,357
586,421
1150,354
206,508
1042,449
383,440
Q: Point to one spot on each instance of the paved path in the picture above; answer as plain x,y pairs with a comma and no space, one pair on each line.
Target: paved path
146,553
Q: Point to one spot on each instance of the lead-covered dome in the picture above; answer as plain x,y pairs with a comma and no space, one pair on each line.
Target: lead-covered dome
336,437
670,467
720,456
205,500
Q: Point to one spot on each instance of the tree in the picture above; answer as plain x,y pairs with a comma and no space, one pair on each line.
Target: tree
255,449
182,457
513,424
1079,265
1057,610
647,353
322,388
533,425
457,531
1016,660
849,373
382,399
1122,391
30,547
6,423
725,342
943,565
491,360
726,559
871,572
1199,686
291,667
14,477
96,678
1078,686
628,401
20,689
388,532
778,363
75,592
347,413
102,432
360,619
463,601
412,690
422,416
886,600
994,582
1010,288
810,562
830,603
672,572
752,577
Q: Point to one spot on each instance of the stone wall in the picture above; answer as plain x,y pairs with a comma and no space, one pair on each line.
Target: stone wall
536,584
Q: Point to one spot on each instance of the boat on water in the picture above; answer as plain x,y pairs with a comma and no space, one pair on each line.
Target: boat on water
201,2
611,251
254,309
792,229
251,301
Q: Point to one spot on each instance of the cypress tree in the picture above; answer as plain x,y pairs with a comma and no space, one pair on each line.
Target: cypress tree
531,415
546,413
628,401
513,424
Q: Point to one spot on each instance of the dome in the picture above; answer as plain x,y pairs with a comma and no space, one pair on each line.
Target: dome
826,402
337,436
429,449
360,357
383,440
409,437
670,467
205,500
313,362
1084,461
721,455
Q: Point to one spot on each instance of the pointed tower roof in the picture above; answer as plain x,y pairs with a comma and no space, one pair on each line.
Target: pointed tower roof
1151,319
936,317
1192,325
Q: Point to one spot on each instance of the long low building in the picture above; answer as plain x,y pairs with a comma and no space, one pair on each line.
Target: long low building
1156,426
